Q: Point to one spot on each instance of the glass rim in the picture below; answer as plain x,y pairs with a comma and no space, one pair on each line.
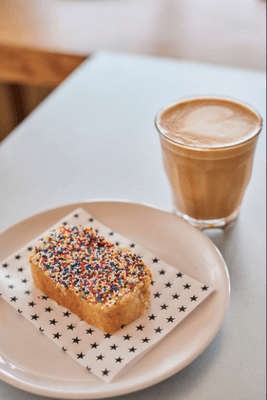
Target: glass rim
208,97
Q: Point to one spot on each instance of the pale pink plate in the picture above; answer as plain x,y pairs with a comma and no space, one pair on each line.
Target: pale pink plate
30,361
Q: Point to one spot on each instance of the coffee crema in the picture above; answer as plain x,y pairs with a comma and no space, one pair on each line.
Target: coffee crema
209,122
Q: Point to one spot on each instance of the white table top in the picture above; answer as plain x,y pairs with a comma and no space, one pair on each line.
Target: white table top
94,138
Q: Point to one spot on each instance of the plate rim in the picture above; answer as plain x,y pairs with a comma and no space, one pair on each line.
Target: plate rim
32,388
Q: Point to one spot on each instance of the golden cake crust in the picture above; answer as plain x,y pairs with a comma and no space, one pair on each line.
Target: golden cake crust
125,306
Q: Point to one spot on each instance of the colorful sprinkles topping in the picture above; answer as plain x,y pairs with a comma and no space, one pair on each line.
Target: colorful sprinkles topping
77,257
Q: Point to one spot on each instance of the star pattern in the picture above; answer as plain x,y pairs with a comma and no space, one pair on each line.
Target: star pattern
168,285
140,327
105,372
66,314
76,340
53,322
187,286
166,312
164,306
145,340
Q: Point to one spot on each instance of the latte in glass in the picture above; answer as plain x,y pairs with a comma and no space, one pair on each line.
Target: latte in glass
208,146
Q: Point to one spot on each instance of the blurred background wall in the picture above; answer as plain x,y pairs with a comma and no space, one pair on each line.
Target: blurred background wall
43,41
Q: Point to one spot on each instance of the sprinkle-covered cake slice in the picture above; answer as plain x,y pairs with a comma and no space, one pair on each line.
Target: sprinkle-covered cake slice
104,285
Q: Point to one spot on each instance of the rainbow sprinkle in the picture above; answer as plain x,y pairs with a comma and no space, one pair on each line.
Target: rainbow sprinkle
77,257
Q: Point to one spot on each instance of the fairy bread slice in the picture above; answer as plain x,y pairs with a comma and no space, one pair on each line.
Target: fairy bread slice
104,285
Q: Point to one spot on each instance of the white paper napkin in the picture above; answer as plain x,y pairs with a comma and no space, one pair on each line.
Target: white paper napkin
173,296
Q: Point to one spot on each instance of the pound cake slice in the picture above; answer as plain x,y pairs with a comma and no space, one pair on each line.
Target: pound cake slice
105,285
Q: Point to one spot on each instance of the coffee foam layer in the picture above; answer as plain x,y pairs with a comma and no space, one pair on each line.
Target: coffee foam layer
209,123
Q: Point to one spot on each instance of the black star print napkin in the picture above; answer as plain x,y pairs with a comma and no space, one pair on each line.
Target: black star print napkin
173,296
